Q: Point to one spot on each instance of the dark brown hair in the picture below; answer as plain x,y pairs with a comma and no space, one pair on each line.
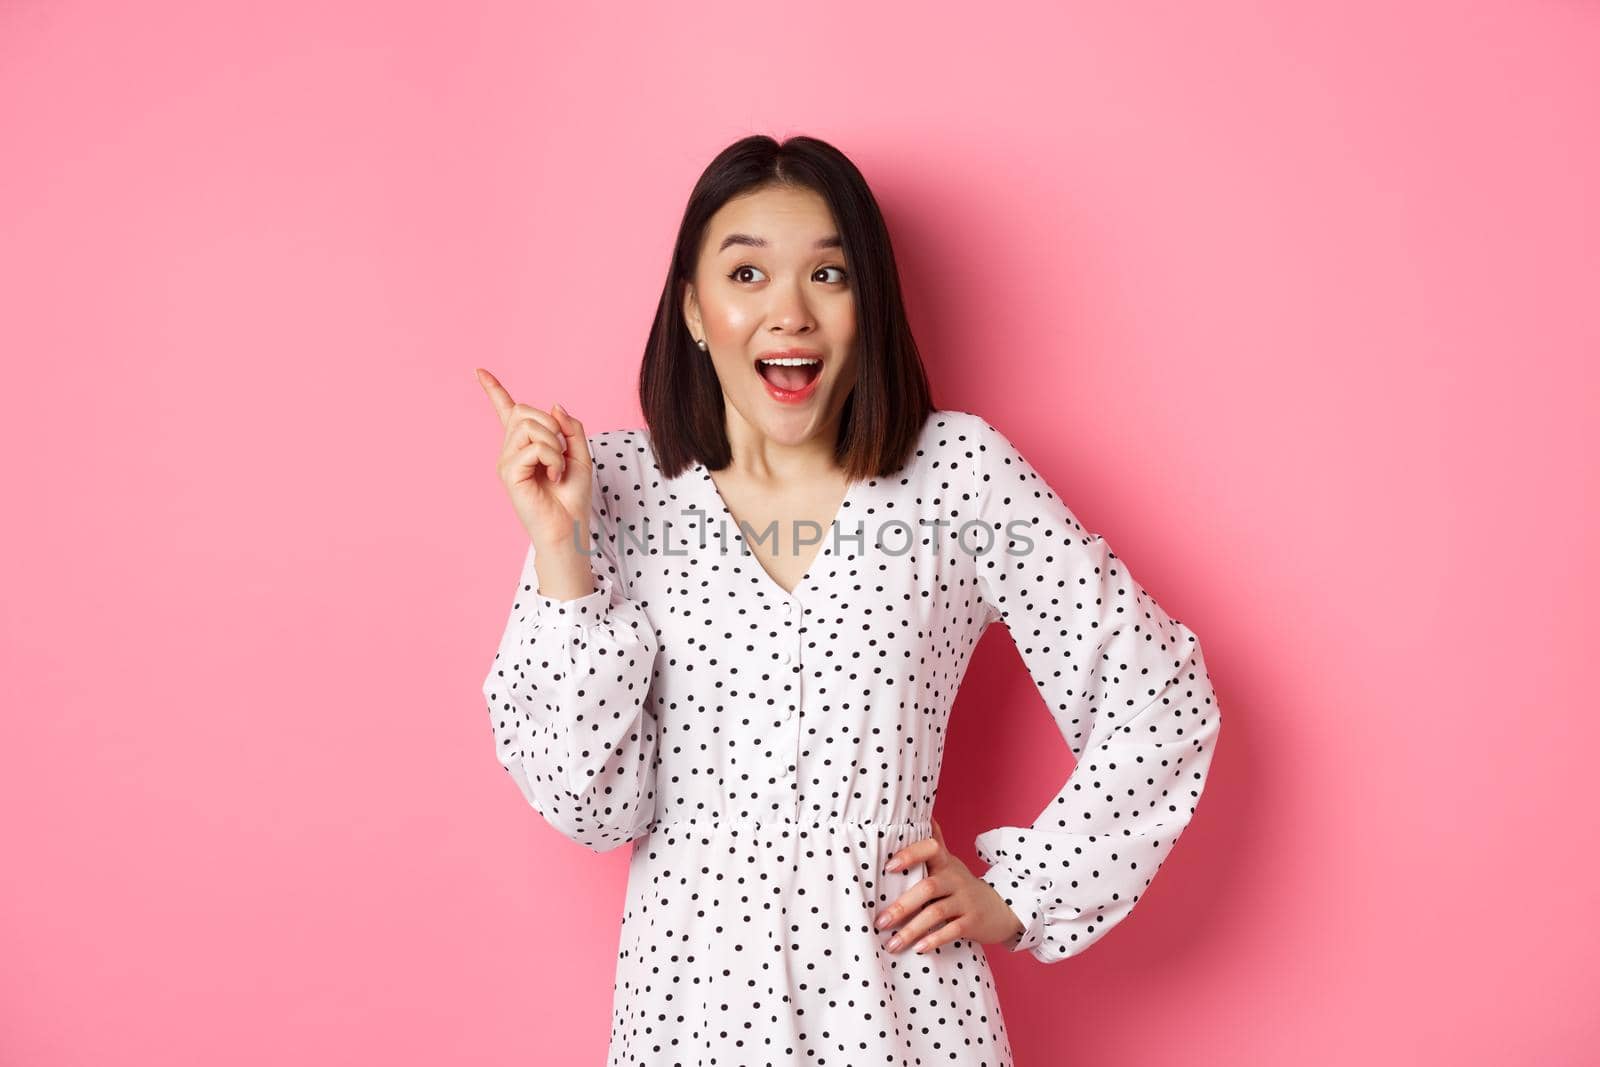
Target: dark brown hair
891,400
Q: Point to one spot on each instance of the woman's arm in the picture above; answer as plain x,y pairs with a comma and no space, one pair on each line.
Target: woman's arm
1127,687
567,699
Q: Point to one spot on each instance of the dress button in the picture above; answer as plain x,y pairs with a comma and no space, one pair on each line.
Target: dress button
788,713
788,609
784,657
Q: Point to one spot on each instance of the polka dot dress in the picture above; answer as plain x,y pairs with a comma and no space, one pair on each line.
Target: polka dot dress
764,752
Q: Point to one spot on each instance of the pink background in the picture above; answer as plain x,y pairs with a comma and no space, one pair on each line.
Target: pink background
1297,308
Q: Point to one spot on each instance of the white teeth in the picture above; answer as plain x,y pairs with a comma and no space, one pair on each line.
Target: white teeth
791,361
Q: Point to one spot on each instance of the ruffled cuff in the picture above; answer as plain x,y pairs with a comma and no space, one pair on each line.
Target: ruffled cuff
1025,894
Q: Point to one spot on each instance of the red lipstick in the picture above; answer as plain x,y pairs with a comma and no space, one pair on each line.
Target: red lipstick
794,377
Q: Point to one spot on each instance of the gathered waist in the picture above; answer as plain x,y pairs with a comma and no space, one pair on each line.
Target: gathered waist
829,824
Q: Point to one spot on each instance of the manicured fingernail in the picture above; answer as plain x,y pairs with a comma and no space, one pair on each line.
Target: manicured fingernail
884,920
894,865
894,943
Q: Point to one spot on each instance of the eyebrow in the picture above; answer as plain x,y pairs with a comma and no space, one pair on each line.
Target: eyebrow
831,241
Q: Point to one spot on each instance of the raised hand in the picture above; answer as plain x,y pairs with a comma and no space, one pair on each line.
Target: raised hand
950,902
546,467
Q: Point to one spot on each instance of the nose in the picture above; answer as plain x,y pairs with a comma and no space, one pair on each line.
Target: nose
790,314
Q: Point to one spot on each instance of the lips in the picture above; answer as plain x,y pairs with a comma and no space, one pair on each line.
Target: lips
791,370
790,376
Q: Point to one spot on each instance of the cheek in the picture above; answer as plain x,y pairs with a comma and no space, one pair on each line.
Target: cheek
734,375
727,317
841,322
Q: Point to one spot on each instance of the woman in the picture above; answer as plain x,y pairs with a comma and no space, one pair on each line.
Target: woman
740,630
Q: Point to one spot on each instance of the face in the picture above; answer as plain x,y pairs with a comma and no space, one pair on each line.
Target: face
772,282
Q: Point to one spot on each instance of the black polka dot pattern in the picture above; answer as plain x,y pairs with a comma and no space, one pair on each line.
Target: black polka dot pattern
765,751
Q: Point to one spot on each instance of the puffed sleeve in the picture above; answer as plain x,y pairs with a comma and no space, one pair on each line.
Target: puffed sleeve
1126,686
567,702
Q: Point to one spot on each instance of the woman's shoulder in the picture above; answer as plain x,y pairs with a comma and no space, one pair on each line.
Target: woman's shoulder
954,420
965,432
623,451
964,439
969,427
624,440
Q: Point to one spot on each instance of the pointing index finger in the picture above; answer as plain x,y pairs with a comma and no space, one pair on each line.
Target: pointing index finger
497,395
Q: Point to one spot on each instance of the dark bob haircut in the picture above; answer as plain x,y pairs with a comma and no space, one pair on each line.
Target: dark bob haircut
678,389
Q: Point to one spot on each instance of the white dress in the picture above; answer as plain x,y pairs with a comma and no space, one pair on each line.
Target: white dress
765,752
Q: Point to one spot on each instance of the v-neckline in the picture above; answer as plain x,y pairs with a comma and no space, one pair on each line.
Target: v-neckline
824,548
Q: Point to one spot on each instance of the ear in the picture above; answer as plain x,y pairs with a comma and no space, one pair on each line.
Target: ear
691,311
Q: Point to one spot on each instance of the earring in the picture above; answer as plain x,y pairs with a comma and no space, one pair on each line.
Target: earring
702,345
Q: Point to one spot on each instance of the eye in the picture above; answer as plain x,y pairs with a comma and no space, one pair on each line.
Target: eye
843,275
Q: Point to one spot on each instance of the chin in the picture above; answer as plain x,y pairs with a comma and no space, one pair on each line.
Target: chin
790,427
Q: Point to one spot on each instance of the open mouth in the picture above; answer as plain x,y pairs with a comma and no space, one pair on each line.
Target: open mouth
791,374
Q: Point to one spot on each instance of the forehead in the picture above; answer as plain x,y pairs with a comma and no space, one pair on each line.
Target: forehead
773,218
